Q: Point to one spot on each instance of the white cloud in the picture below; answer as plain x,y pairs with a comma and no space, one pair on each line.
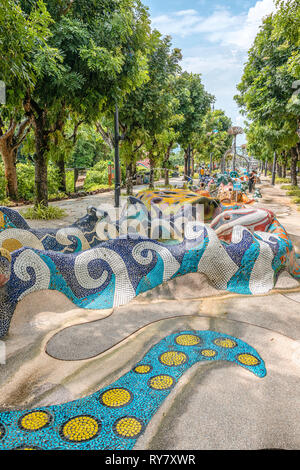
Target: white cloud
244,36
221,26
216,46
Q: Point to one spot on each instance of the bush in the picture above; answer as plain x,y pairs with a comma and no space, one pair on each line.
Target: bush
41,212
26,174
98,175
282,180
70,181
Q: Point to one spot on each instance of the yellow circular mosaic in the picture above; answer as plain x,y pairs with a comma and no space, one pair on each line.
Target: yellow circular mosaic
173,358
28,448
143,369
188,340
161,382
80,428
11,244
225,343
35,420
248,360
116,397
128,427
208,353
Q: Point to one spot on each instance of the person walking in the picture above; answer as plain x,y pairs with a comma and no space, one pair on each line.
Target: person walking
251,181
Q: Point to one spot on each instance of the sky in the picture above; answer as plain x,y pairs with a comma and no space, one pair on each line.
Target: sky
214,37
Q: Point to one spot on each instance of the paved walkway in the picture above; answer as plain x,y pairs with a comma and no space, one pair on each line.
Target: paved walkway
57,353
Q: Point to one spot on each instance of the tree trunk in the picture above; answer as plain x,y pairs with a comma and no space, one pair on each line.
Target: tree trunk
294,163
165,163
9,156
192,165
41,166
152,167
279,170
274,169
284,171
129,176
266,168
185,164
284,166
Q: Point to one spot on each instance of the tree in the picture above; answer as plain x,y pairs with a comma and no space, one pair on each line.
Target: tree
193,104
21,36
213,145
103,46
150,109
266,91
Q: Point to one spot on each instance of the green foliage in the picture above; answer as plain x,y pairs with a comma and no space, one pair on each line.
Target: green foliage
40,212
215,143
148,113
26,186
21,34
88,150
193,102
266,92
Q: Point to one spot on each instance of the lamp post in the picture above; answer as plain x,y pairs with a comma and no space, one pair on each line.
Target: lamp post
235,130
189,161
117,158
214,131
274,169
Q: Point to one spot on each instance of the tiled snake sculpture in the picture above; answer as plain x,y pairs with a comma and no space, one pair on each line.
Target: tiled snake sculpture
113,418
115,271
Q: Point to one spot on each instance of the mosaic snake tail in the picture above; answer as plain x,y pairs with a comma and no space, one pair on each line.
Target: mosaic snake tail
113,418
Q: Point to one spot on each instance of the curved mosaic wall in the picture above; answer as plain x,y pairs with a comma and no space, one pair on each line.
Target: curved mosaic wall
116,271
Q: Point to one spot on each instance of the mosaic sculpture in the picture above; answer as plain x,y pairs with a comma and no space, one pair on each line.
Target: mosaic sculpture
16,233
113,418
173,200
252,219
227,195
116,271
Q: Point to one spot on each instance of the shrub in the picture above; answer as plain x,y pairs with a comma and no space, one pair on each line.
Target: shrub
26,187
282,180
25,175
41,212
98,175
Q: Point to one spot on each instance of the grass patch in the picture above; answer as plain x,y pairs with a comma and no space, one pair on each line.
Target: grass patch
294,192
41,212
7,203
282,180
96,186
